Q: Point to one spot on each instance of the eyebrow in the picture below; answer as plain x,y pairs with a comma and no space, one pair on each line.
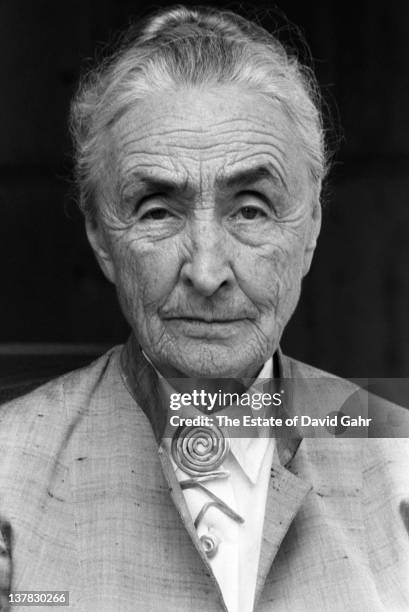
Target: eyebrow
251,175
153,182
241,178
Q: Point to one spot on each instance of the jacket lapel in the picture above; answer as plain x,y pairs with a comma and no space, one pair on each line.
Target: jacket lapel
178,498
285,495
286,491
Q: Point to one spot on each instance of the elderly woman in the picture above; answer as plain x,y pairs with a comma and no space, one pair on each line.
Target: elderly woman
200,158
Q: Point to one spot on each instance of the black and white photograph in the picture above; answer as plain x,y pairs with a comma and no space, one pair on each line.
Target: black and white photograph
204,338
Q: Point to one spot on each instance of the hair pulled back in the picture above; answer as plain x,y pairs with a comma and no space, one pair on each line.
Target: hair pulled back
185,47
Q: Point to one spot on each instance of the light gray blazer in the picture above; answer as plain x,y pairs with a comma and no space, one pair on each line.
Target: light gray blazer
89,505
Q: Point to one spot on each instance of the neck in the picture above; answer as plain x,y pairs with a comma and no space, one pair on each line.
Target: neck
186,384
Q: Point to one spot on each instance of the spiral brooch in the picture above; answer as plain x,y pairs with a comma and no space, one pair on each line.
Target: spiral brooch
199,451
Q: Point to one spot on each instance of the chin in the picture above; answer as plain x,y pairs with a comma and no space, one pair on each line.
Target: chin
214,362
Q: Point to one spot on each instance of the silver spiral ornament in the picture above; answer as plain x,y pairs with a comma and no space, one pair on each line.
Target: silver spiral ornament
199,451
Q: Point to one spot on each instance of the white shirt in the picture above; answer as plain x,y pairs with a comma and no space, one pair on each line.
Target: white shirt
235,563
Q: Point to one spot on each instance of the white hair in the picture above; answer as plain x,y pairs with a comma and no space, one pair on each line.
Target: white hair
192,47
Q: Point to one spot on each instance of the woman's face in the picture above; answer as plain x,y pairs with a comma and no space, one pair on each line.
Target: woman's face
206,224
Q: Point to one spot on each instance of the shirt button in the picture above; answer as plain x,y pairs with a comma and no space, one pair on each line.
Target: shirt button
210,545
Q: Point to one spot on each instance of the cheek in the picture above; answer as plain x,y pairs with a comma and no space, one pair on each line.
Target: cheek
270,273
146,276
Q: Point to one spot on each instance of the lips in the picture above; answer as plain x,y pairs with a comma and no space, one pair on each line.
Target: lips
214,329
207,320
210,315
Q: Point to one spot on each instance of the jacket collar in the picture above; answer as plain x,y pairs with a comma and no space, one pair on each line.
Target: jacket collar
141,381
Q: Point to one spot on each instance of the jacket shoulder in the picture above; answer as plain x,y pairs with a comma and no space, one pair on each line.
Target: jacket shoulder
41,416
387,419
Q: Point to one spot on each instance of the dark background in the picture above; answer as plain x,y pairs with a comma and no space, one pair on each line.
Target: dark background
353,315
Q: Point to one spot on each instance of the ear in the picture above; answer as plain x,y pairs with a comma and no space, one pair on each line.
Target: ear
99,245
312,237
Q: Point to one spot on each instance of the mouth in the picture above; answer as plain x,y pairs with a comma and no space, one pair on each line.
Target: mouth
206,320
207,328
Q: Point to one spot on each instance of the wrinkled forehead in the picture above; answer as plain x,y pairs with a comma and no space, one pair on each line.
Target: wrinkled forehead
201,136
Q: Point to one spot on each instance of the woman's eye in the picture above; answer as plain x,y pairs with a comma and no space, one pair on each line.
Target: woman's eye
156,214
250,212
252,206
151,208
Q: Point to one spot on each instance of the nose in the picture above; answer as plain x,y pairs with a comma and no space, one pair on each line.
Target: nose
208,266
